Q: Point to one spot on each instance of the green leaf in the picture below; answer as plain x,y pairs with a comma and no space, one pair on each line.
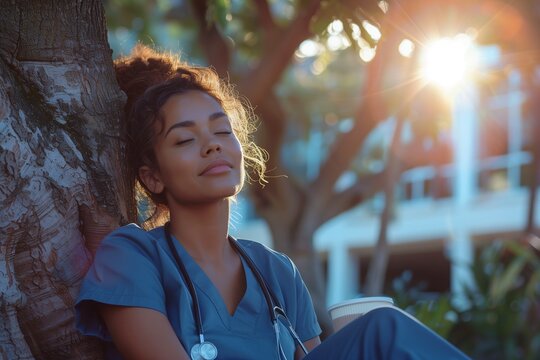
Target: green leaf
519,249
501,285
533,286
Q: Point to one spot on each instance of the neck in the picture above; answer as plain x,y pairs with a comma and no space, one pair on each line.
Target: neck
202,229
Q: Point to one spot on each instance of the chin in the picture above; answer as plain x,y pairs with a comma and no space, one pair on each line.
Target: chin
225,192
232,192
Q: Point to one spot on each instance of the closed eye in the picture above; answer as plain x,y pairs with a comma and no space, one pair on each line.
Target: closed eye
224,132
182,142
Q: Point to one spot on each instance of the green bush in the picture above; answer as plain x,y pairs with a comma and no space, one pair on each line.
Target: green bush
502,320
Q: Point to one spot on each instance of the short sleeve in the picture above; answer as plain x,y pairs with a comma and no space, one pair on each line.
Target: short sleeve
124,273
307,326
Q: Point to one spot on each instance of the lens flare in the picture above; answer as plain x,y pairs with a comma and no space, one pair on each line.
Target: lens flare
449,62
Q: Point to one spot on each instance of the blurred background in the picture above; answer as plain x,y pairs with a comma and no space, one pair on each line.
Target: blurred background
403,147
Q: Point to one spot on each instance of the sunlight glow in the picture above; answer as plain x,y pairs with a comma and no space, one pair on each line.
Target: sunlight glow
337,42
367,54
334,42
318,67
335,27
356,32
372,30
406,48
362,43
449,62
384,6
308,48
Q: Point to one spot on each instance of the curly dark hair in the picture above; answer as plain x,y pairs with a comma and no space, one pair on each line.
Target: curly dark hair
149,78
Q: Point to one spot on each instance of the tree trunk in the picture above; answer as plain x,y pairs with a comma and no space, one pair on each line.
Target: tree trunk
310,266
533,88
59,111
530,234
379,262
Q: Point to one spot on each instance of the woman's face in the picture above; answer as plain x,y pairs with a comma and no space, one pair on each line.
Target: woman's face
199,158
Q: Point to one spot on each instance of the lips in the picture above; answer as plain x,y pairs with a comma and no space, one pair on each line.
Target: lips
216,167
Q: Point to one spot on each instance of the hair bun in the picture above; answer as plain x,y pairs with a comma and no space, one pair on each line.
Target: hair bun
143,68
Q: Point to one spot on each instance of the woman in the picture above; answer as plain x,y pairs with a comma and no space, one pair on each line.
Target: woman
187,289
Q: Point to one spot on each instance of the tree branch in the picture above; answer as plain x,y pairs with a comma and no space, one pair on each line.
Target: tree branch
347,199
276,58
345,148
379,262
272,129
282,191
214,46
265,17
371,108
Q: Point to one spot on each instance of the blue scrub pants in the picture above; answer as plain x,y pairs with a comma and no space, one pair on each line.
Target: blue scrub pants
385,333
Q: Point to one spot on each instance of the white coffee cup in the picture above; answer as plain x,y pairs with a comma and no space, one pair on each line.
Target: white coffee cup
344,312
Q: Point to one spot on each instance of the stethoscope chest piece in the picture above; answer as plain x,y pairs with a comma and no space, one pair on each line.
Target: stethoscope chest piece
204,351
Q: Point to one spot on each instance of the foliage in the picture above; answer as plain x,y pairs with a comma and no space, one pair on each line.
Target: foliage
503,319
433,310
154,23
321,102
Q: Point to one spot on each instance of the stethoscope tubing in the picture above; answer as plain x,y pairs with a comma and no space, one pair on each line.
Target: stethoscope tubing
191,287
273,304
274,307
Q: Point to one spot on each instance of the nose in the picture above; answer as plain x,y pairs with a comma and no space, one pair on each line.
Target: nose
211,147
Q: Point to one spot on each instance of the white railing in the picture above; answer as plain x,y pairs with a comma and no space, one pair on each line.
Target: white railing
413,184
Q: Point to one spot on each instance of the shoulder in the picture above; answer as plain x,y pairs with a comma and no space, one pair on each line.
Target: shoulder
126,271
281,276
132,237
127,257
266,257
258,249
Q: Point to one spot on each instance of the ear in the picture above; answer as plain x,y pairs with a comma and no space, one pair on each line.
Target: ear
151,179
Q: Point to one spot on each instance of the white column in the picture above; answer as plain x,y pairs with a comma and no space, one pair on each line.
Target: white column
465,124
515,99
342,274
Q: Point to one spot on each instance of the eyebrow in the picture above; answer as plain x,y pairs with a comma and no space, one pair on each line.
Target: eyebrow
189,123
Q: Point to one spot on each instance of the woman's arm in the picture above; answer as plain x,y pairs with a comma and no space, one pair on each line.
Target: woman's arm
309,344
142,334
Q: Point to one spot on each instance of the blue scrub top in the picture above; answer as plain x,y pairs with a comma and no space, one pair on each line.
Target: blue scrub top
134,267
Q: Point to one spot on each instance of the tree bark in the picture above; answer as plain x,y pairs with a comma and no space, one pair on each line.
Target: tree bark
59,111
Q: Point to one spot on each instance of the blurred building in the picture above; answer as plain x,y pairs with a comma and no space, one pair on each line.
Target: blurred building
447,209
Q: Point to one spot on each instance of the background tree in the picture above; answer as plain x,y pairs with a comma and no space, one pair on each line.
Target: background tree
254,44
295,207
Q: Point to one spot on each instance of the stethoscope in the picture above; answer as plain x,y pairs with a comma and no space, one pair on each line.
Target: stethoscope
206,350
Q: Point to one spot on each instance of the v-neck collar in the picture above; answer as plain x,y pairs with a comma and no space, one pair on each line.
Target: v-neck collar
247,311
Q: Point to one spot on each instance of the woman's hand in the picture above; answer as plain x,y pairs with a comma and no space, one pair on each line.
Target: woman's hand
142,334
